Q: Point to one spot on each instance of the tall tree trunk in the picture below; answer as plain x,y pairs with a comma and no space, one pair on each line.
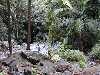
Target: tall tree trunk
17,20
81,42
16,28
29,25
9,27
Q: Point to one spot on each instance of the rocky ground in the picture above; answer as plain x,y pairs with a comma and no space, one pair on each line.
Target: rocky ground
42,65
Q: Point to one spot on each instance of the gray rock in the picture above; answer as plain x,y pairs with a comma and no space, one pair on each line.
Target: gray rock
67,73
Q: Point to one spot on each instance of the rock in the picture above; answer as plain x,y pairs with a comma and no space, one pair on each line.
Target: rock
91,64
57,73
76,67
62,67
45,74
5,64
97,73
67,73
76,74
27,72
41,64
48,67
97,61
91,71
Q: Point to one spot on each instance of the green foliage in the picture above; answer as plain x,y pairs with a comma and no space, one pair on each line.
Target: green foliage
71,55
34,71
1,73
82,64
51,14
50,52
53,22
95,53
55,57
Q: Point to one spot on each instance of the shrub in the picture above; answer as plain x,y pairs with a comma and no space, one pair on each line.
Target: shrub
71,55
55,57
82,64
95,53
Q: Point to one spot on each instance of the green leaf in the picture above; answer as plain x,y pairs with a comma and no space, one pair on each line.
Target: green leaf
66,2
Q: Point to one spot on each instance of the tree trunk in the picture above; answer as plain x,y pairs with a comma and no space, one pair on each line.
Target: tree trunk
29,25
17,21
81,42
9,27
16,28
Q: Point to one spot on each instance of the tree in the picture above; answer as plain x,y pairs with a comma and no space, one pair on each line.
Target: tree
9,26
29,25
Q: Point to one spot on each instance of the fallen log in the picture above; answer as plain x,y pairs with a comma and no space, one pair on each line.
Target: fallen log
29,59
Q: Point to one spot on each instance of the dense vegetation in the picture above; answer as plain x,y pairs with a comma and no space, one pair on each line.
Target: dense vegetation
75,24
75,21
